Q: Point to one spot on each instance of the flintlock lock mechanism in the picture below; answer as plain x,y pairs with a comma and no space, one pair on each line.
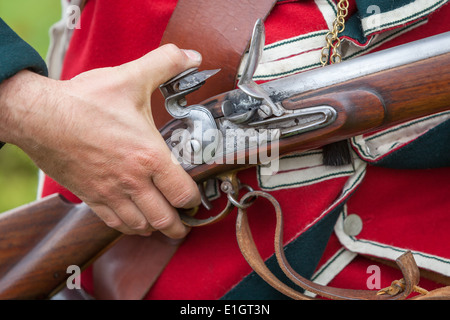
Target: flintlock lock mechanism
248,108
267,113
197,118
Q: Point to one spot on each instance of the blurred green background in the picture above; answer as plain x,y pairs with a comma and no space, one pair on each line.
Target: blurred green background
30,19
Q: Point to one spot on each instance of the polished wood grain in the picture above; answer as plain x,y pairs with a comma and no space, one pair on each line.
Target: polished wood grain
40,240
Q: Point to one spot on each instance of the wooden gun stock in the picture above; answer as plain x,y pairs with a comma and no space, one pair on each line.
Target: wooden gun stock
376,101
39,241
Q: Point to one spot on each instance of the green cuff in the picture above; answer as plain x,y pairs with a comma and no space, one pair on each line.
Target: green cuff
17,55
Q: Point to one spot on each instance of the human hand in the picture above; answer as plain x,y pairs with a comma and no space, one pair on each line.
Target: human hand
95,135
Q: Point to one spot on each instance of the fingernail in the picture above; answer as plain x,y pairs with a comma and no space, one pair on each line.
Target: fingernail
193,55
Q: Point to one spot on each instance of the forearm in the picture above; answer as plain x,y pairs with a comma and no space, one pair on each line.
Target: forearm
24,103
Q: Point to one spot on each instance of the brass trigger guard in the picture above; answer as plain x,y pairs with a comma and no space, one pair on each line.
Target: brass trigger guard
231,186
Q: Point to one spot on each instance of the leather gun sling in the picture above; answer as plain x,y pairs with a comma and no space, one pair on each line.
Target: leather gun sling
405,263
220,31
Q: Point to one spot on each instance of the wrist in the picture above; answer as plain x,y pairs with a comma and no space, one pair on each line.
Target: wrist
25,105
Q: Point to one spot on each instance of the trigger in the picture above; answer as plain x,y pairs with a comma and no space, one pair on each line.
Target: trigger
205,201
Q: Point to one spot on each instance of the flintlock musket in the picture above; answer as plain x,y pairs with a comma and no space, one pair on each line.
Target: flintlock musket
39,241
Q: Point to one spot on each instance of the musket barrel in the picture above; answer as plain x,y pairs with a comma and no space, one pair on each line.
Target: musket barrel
359,67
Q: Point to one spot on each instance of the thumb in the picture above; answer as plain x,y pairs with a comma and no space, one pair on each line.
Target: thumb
165,62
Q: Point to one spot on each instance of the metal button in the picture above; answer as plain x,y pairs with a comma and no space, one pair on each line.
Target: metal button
352,225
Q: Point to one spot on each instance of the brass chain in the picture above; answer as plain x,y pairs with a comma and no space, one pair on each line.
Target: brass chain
332,38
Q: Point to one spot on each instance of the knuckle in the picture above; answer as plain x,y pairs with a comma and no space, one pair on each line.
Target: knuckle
183,198
163,222
149,161
128,183
106,215
139,225
113,222
103,192
172,50
139,167
175,55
